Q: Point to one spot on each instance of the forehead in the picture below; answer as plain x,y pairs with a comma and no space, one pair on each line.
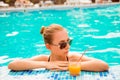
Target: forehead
60,35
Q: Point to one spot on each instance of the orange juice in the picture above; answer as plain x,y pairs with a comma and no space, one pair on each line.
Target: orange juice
74,69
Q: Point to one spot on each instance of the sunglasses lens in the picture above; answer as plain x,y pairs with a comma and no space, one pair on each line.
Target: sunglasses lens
63,45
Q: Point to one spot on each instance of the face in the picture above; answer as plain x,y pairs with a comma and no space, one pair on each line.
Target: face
60,44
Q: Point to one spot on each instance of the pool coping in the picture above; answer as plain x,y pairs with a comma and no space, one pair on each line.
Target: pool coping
112,74
57,7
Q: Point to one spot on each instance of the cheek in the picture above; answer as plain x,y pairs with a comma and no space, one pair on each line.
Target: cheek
56,50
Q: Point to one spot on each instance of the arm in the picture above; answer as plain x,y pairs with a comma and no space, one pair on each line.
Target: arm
26,64
37,62
93,64
90,64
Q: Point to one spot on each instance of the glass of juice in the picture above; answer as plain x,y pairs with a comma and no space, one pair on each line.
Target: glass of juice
74,68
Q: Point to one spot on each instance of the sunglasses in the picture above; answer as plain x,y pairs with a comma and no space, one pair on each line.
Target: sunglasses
63,44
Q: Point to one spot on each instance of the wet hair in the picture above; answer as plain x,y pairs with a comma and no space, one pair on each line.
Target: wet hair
48,32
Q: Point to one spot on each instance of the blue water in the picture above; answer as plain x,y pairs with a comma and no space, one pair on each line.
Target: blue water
98,28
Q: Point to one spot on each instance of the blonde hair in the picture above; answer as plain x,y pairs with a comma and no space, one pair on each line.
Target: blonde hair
48,32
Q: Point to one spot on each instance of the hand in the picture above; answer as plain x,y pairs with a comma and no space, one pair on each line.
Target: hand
57,65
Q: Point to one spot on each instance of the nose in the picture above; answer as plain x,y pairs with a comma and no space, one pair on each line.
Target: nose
68,46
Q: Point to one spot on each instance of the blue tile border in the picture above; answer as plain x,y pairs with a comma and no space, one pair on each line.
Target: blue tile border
42,74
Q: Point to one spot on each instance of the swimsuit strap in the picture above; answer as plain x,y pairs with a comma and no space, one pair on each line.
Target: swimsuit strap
49,58
67,58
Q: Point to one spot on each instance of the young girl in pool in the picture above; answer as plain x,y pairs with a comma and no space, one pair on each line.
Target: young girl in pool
58,42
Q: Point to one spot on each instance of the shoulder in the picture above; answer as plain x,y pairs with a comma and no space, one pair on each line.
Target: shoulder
76,57
40,58
73,56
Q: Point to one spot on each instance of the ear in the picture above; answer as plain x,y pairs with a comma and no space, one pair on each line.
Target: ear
47,46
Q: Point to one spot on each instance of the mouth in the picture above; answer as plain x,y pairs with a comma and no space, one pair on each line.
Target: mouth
66,52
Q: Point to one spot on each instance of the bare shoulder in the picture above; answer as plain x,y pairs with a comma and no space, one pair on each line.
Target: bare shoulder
76,57
40,58
73,55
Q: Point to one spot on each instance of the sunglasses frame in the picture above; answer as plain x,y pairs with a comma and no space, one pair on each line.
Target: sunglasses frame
62,45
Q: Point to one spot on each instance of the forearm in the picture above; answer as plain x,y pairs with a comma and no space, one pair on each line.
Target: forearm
26,65
94,65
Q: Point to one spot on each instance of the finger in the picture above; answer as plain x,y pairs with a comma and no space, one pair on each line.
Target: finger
63,68
60,69
62,65
64,62
55,69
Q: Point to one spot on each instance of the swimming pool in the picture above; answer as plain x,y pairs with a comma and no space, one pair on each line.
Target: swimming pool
98,28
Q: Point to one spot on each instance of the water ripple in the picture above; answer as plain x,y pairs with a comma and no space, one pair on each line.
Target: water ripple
12,34
106,50
5,59
109,35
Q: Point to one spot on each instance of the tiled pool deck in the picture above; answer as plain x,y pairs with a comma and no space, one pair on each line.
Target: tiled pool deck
57,7
41,74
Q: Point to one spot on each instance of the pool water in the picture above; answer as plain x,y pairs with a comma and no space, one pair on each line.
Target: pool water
98,28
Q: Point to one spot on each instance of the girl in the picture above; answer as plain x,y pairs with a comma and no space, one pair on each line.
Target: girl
58,42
